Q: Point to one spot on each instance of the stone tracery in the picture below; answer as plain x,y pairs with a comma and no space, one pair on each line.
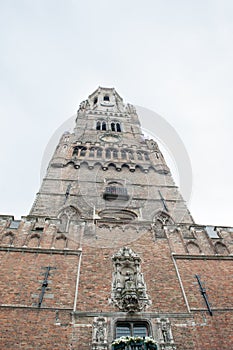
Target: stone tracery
128,287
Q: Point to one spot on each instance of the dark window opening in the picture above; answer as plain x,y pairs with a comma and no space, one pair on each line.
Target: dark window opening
118,127
104,126
83,152
106,98
114,192
95,100
146,156
113,126
98,126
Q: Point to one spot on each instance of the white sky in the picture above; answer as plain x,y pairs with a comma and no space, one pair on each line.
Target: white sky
171,56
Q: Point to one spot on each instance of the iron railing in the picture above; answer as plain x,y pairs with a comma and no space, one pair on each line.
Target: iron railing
134,346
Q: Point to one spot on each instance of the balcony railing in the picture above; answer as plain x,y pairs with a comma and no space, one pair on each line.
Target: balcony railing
135,345
113,192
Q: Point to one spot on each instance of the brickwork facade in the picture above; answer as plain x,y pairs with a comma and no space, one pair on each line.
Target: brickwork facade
109,248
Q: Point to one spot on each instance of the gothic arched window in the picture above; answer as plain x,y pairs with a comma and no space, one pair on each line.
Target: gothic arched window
83,151
114,153
139,155
130,154
123,154
99,153
98,126
104,127
118,127
146,156
113,127
92,152
108,153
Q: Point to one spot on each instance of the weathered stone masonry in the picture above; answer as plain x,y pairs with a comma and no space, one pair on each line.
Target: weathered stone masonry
110,248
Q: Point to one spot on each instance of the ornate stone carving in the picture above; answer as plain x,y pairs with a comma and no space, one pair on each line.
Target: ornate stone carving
130,109
165,337
128,287
99,335
84,105
161,219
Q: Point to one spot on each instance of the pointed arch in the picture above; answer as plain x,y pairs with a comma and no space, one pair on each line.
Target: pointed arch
8,238
193,248
221,248
163,218
60,241
33,240
67,215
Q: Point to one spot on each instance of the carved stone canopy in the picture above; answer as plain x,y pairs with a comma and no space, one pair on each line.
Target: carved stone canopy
128,286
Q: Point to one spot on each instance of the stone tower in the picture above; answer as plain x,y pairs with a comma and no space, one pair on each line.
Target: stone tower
109,256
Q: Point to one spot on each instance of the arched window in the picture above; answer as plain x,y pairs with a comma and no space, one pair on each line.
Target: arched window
104,126
83,151
99,153
98,126
123,154
146,156
67,215
139,155
75,152
106,98
114,153
92,152
95,100
108,153
113,127
118,127
130,154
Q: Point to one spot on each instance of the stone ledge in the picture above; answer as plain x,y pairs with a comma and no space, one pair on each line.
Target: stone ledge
41,250
202,257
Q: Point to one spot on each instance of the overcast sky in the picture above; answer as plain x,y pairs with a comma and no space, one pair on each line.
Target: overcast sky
171,56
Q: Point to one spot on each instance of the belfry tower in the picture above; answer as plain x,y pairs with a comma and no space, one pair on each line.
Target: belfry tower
109,256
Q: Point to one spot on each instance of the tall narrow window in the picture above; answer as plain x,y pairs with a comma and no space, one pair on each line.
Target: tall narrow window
118,127
99,153
104,126
113,127
123,154
139,155
83,152
95,100
146,156
108,153
114,153
98,125
130,155
92,152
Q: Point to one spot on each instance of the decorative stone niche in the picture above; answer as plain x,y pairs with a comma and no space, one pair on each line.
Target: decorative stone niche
165,337
99,334
128,287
